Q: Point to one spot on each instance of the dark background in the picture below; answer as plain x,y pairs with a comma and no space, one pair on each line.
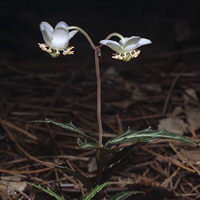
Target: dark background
171,25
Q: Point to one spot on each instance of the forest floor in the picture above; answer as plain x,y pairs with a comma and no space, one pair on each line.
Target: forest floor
135,97
158,89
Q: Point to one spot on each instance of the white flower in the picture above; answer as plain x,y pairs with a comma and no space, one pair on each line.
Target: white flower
56,39
126,48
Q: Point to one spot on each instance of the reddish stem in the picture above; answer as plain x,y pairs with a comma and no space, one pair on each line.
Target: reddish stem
97,51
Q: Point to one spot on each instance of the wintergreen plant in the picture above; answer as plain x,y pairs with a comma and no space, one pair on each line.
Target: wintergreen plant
110,154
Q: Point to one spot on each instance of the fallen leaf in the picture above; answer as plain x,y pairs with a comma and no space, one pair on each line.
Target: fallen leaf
3,192
193,117
92,165
122,182
190,93
193,155
173,124
178,110
13,184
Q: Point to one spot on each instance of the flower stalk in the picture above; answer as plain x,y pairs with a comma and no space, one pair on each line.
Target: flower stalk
84,33
98,78
115,34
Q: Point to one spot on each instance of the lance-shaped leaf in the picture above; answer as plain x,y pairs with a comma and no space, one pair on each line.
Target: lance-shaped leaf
69,126
148,135
86,181
123,195
48,191
89,145
94,191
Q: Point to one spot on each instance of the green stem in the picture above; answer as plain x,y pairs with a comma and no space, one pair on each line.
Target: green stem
115,34
84,33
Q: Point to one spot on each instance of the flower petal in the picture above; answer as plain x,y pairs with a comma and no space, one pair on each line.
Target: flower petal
126,40
46,30
131,43
59,39
144,41
45,24
113,45
61,24
72,33
131,40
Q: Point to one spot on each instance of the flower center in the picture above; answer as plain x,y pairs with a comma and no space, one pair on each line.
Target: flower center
55,52
127,56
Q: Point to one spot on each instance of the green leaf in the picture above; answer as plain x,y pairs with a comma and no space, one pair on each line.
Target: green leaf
148,135
94,191
123,195
86,181
85,145
69,126
48,191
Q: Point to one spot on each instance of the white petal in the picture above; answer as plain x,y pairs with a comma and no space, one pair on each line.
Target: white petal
72,33
132,40
46,30
127,40
59,39
113,45
61,24
144,41
131,47
132,43
45,24
134,46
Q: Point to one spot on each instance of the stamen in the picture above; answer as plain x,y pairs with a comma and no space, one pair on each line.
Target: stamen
68,51
57,52
48,50
135,53
117,56
126,56
44,47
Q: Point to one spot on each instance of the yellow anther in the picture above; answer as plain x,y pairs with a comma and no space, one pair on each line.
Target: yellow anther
45,48
126,56
68,51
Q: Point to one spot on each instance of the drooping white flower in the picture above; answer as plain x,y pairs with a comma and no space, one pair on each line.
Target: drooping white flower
56,39
126,48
